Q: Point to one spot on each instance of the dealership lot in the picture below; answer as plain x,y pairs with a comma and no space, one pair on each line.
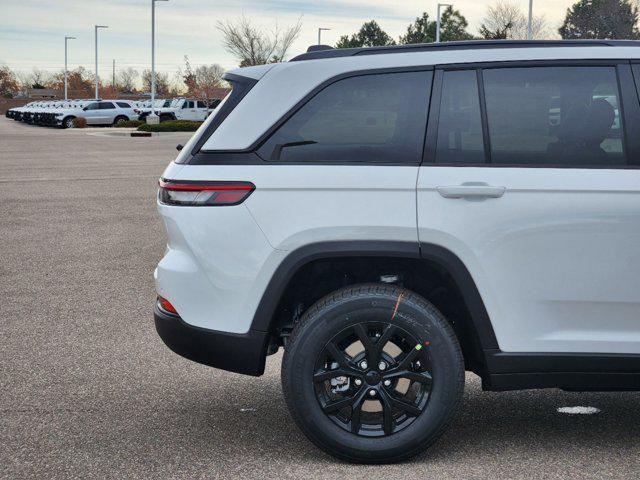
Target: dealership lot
88,390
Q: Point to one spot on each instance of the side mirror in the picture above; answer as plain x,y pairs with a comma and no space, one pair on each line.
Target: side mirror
179,147
84,109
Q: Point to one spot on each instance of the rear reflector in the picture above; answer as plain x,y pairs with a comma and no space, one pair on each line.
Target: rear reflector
202,194
166,305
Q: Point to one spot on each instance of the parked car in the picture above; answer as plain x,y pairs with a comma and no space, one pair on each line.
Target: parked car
180,109
395,219
104,112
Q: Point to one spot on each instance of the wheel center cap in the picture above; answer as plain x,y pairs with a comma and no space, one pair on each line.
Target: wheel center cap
373,378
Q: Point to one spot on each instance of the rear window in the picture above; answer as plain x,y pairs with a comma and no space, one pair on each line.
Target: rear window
368,118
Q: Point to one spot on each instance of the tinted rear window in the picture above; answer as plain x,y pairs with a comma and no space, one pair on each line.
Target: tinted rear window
368,118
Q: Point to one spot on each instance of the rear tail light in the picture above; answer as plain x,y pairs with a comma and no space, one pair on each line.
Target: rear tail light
166,305
202,194
135,110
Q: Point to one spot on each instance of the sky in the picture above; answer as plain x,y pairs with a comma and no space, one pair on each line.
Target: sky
32,31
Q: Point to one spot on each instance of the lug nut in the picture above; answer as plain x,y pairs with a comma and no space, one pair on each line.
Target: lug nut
363,365
372,393
358,382
387,383
382,366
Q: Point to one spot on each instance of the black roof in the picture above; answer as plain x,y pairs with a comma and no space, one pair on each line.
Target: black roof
324,51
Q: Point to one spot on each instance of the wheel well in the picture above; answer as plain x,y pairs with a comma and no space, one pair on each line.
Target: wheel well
319,277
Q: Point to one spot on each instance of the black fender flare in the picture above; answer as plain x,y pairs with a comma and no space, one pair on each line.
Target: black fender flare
427,252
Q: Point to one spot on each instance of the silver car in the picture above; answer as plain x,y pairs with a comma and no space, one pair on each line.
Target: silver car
108,112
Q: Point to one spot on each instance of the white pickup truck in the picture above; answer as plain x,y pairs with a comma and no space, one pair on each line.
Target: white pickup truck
180,109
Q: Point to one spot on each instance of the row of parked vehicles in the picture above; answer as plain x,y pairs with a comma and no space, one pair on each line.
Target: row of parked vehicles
109,112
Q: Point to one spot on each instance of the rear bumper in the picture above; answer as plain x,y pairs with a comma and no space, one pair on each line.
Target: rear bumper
240,353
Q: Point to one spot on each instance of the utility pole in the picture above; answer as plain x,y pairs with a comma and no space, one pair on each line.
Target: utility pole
320,34
66,73
113,76
530,26
438,20
153,116
96,27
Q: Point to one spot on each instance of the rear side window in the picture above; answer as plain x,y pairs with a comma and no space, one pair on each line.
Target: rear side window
554,116
460,137
369,118
123,105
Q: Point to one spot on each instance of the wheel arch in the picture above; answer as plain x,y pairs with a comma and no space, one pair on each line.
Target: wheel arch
424,257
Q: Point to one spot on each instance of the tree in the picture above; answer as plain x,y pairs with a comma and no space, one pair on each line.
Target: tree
507,20
162,82
253,46
39,78
79,80
188,76
127,79
208,80
610,19
369,35
8,82
453,26
422,30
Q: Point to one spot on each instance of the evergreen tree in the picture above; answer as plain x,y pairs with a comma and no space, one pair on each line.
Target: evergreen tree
370,35
611,19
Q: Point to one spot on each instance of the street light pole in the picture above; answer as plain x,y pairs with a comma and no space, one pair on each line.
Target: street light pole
530,26
320,34
66,74
153,53
96,27
438,20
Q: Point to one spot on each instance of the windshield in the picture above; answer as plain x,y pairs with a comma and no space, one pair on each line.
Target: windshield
159,103
175,102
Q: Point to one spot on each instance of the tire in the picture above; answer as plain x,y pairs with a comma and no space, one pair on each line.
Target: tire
68,122
429,353
120,118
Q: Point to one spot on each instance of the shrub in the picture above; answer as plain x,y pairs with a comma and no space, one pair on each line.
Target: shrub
129,123
171,126
79,122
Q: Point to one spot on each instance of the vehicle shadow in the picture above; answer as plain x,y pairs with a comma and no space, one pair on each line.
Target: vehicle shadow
513,430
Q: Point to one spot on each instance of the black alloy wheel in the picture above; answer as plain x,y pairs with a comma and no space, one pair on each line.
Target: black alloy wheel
344,384
373,373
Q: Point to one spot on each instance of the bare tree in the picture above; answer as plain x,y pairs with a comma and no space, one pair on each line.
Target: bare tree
127,79
162,82
39,78
507,20
208,80
251,45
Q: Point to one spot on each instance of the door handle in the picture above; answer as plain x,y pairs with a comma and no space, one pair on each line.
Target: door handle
471,191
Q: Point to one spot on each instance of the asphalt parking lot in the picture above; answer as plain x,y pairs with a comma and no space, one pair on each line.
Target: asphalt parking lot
88,390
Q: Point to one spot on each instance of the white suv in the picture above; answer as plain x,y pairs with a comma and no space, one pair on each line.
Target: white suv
395,216
179,109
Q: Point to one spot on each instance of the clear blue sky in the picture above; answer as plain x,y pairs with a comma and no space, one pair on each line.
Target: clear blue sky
32,31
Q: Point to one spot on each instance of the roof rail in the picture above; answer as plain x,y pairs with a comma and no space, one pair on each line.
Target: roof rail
320,51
